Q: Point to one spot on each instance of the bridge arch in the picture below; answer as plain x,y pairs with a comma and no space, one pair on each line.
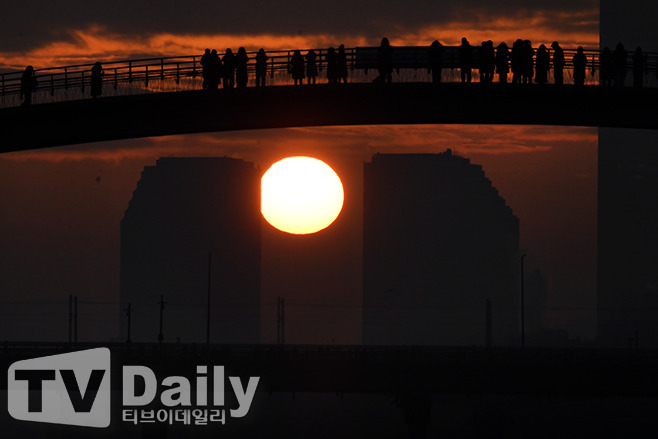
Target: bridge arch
160,114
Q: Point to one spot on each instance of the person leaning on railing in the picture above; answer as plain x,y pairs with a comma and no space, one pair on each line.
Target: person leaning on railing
228,68
502,62
261,67
311,66
241,60
436,61
542,65
638,67
28,85
606,68
558,63
579,63
385,62
619,65
297,67
97,80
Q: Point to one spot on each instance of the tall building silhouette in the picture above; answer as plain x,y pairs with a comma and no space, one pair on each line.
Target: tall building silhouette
627,239
182,210
439,242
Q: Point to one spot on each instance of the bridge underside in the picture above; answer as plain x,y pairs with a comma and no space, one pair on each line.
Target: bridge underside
160,114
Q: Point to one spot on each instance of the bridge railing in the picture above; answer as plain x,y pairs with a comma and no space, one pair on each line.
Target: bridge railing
180,73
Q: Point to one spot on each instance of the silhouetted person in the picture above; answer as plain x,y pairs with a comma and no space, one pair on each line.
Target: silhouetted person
502,62
385,62
465,60
205,65
241,60
332,65
619,65
517,61
297,67
606,68
213,71
228,69
638,67
558,63
28,85
311,66
487,62
579,63
261,67
341,58
96,80
491,60
542,63
436,61
483,63
528,62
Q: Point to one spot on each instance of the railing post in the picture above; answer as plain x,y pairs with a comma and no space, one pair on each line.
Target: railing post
66,78
177,73
82,85
116,79
194,66
3,84
320,57
352,61
52,85
146,76
272,68
161,69
130,72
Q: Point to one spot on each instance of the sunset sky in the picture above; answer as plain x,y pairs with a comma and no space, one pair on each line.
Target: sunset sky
72,32
61,207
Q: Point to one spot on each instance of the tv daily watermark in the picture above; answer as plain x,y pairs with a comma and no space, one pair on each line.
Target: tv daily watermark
74,389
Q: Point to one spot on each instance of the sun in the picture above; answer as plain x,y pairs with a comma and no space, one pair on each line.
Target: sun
301,195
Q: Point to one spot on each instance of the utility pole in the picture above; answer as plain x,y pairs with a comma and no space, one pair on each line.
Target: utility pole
75,319
280,320
129,314
70,317
522,304
488,323
162,305
208,307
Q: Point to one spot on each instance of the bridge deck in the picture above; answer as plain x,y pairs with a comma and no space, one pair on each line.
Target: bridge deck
161,114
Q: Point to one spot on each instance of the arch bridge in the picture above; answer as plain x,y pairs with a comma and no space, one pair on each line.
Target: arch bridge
163,96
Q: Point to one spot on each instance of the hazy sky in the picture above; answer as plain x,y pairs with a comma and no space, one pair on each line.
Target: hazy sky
60,231
59,221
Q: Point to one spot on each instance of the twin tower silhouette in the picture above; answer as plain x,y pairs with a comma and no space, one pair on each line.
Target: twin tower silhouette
440,252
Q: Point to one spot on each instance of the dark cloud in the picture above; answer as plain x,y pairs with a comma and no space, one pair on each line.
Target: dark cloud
38,22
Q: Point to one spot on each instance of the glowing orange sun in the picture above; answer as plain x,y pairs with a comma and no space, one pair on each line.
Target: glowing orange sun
301,195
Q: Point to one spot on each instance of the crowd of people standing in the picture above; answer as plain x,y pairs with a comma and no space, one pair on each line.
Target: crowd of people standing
231,70
525,63
528,65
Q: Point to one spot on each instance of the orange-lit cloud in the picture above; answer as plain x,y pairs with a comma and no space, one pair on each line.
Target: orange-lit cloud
84,45
96,43
540,27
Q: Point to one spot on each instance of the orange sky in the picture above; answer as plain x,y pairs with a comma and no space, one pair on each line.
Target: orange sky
84,45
